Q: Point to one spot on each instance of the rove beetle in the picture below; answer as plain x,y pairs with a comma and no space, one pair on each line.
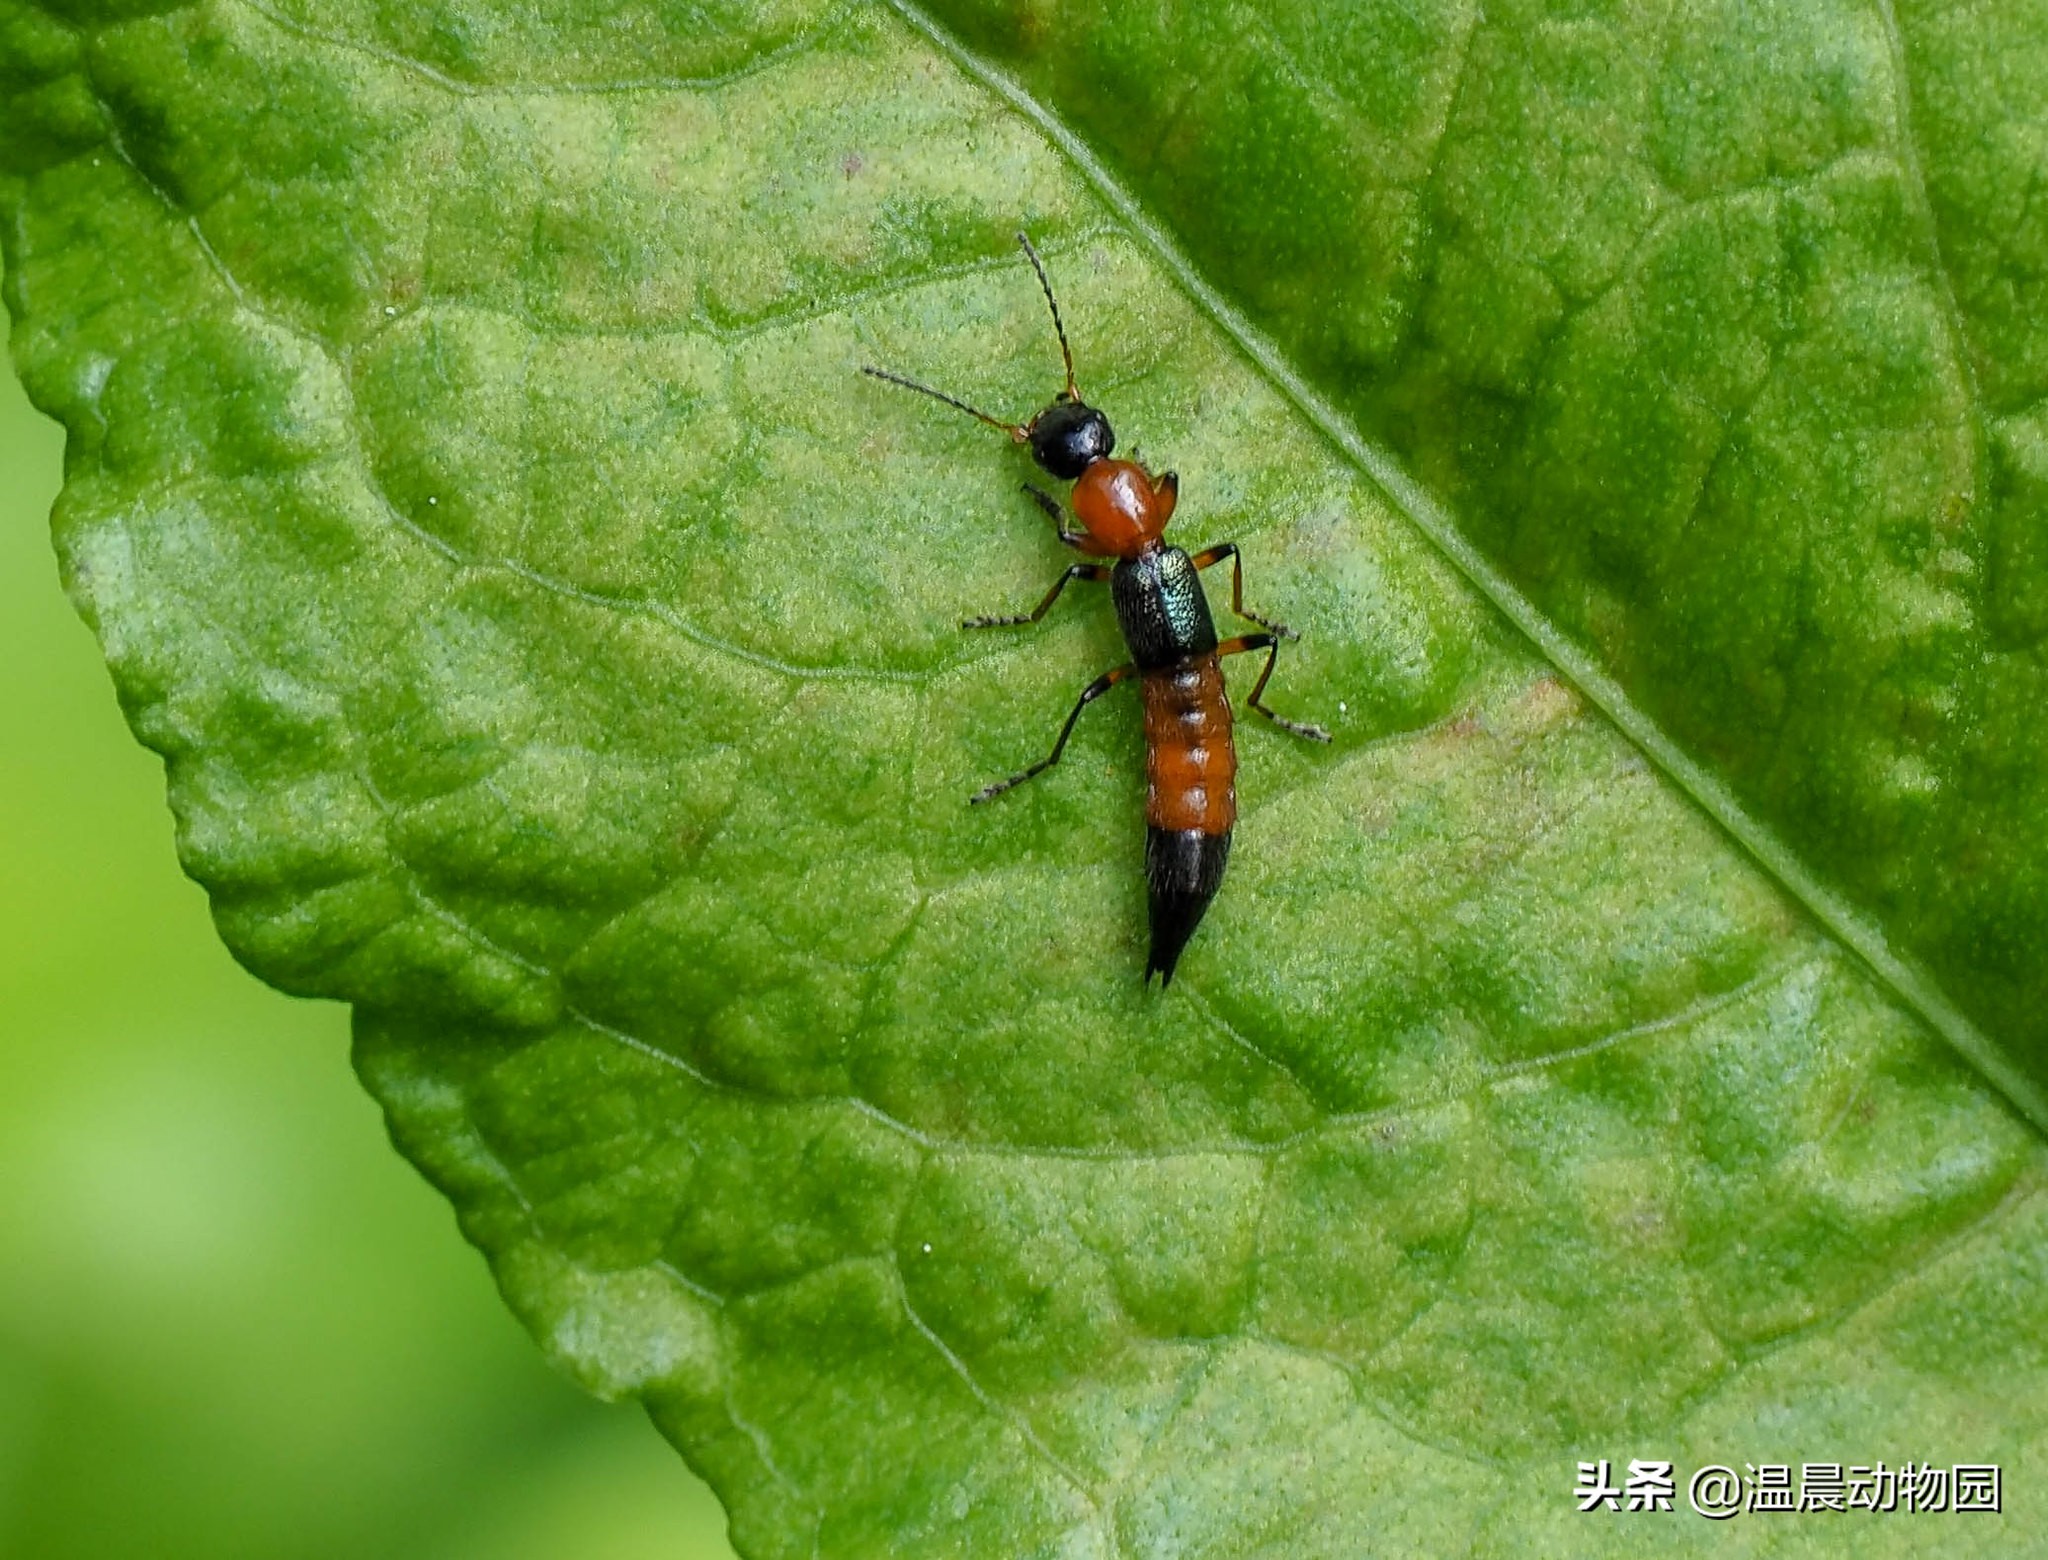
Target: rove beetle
1190,764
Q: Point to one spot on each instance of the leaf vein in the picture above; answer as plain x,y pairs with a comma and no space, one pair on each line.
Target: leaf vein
1907,981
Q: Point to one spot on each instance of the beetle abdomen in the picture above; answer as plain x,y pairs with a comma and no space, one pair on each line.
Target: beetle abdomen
1190,764
1190,801
1183,870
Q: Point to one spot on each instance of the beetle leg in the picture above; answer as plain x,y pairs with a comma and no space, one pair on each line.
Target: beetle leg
1089,695
1217,554
1271,646
1080,571
1056,515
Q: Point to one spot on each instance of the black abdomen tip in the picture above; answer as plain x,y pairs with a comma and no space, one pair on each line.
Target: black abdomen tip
1183,870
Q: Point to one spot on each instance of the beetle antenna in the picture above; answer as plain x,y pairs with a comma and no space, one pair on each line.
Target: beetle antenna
1059,329
1012,429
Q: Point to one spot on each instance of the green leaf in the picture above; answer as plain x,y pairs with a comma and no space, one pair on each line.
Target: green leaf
553,646
1716,328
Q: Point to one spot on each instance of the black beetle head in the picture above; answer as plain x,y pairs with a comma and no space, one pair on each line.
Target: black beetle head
1068,437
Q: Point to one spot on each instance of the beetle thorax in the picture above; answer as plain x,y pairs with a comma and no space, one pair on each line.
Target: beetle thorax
1122,506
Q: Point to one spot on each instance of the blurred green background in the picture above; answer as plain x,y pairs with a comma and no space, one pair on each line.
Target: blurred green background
232,1321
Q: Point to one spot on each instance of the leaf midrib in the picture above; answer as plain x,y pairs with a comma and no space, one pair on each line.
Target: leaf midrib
1910,984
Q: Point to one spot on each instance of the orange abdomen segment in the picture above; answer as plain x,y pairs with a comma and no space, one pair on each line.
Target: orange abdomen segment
1190,765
